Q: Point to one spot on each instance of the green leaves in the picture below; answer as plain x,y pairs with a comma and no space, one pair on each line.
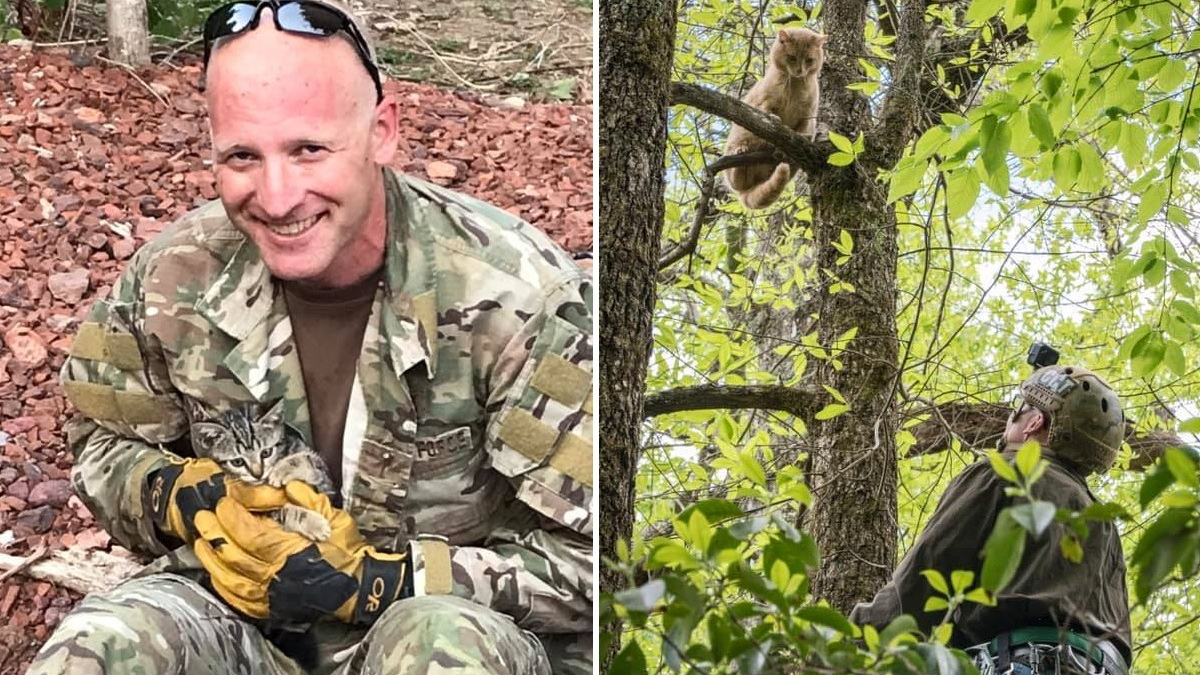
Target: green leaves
848,150
1002,553
1034,517
995,138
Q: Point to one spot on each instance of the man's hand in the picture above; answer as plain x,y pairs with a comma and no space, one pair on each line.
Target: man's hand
175,493
266,572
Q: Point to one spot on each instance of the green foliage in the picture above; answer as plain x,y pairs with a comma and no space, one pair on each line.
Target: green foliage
730,594
177,18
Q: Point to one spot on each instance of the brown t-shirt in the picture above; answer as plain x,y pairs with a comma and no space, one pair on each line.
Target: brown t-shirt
328,326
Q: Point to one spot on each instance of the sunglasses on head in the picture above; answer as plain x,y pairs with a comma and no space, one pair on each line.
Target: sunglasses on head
301,17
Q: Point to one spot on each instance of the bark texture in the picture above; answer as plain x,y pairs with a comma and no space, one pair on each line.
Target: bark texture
128,36
852,463
635,62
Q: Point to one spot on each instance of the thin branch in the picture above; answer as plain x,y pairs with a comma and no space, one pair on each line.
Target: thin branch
134,75
704,205
808,155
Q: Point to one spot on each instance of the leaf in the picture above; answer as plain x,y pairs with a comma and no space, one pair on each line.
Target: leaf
901,626
1002,553
1157,480
1167,553
828,617
1035,516
1152,201
981,596
935,604
561,89
1071,548
714,510
907,178
1147,354
744,529
643,598
937,581
1039,124
996,138
1104,511
1002,467
841,142
631,660
799,556
1027,457
841,159
751,468
1182,467
962,191
837,396
1067,164
1173,358
960,580
983,10
831,411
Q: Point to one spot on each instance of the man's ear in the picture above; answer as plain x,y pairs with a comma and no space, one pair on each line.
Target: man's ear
385,131
1034,423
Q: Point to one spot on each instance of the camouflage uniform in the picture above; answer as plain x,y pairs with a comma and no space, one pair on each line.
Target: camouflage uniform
470,419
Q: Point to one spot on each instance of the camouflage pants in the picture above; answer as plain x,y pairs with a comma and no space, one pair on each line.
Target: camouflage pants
167,624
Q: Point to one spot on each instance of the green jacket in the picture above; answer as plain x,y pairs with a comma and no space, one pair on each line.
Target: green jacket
1089,597
471,416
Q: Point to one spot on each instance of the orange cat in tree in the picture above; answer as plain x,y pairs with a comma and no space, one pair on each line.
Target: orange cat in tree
789,90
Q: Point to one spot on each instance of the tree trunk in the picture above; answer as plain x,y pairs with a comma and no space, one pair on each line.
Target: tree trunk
128,37
853,456
635,58
853,461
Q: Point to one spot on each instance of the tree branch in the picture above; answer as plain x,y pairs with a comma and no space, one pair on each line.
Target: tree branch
808,155
975,425
979,425
898,115
704,205
798,401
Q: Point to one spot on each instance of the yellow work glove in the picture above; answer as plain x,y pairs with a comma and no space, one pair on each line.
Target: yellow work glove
266,572
175,493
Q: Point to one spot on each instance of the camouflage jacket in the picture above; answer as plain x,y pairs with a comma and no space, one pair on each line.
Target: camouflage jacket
470,418
1088,597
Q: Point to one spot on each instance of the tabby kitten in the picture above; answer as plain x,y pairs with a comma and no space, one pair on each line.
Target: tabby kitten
263,449
790,91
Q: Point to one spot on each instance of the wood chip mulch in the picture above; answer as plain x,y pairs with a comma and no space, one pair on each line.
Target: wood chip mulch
96,159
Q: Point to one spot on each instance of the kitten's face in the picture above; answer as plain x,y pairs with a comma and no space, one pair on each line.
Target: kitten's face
799,51
244,446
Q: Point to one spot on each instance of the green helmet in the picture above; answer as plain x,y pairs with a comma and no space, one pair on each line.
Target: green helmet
1086,422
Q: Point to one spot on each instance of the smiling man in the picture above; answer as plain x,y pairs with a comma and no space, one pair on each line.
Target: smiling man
434,350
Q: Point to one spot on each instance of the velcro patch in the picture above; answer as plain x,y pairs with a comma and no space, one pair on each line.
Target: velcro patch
527,434
438,577
574,458
94,343
562,380
102,402
88,342
123,351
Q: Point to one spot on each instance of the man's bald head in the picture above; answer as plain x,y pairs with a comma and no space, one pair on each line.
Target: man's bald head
267,62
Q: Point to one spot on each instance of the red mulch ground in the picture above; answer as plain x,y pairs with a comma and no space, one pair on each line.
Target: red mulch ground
92,164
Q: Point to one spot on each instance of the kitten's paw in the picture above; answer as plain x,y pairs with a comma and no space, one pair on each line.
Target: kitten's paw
296,467
304,522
